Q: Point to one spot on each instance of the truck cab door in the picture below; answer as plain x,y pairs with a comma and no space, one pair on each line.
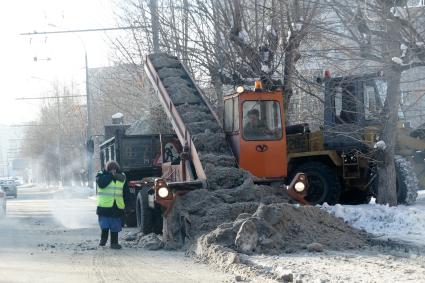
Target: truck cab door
263,139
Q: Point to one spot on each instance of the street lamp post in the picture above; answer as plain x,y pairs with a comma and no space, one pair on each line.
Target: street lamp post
89,123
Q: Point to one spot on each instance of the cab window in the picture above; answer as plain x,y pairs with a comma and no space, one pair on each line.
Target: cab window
262,120
231,115
228,115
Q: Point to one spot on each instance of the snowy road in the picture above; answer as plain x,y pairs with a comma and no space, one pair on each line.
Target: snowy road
46,238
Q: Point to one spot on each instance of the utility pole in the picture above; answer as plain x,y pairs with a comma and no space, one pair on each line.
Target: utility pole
154,6
89,124
155,25
59,139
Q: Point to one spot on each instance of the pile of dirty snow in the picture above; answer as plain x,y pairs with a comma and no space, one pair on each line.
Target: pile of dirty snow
252,218
281,227
403,223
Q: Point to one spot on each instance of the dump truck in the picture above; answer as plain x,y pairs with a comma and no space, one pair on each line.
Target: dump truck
140,158
340,159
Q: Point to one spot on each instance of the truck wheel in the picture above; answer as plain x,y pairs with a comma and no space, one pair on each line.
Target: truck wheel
144,212
406,181
157,220
323,183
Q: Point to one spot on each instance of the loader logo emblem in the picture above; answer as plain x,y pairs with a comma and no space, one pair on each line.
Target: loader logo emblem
262,148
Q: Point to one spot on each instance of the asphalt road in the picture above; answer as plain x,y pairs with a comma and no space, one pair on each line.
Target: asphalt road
52,236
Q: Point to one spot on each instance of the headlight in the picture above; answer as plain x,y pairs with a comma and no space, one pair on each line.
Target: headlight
240,89
299,186
163,192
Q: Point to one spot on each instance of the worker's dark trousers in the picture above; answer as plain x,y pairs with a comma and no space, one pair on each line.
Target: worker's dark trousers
114,238
104,237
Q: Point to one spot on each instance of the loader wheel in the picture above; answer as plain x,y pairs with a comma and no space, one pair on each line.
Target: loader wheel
323,183
144,212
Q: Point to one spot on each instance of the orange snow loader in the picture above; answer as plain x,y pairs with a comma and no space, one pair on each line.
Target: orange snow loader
251,136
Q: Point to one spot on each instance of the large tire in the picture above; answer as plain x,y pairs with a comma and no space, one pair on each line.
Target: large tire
407,182
144,212
323,183
157,220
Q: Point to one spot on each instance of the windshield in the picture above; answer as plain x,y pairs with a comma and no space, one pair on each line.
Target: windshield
262,120
375,92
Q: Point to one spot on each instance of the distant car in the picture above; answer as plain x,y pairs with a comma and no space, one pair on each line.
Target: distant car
2,203
9,187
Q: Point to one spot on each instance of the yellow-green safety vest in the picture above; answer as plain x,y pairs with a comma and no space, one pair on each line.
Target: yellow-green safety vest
112,192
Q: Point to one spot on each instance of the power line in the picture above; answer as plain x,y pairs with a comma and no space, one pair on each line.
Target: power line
48,97
79,30
30,125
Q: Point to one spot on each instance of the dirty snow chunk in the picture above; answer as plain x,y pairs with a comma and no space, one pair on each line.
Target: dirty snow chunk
211,143
151,242
224,177
171,72
183,95
420,44
201,127
315,247
163,60
405,223
247,237
218,160
381,145
397,60
175,83
132,236
286,277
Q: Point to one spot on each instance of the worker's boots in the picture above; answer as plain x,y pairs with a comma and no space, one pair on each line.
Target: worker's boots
103,237
114,241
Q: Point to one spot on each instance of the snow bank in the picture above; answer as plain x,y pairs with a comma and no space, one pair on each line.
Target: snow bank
405,223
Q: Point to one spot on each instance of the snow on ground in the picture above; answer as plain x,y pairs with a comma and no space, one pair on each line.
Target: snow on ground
402,223
374,264
365,266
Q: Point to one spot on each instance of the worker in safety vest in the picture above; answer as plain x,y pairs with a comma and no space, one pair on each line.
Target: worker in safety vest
110,202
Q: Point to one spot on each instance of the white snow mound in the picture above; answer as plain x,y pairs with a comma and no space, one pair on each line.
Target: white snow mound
404,223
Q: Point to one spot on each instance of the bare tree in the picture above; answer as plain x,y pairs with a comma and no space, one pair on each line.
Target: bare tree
384,34
57,140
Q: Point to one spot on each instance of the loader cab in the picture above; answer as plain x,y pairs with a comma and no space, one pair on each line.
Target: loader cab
255,128
352,104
